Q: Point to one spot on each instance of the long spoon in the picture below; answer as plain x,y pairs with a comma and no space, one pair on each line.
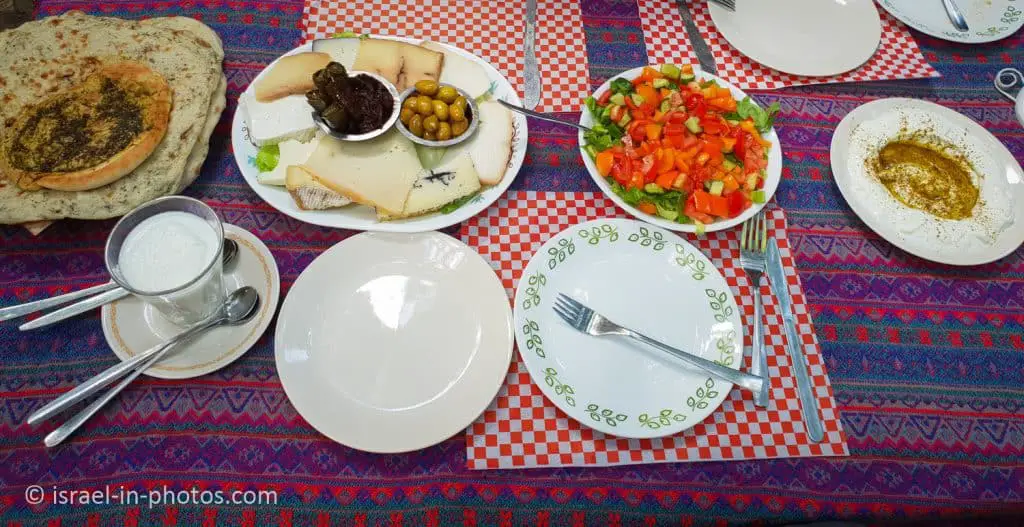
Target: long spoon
240,307
228,254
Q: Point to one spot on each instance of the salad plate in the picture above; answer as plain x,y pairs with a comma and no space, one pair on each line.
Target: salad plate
673,294
464,69
687,150
392,342
987,20
994,226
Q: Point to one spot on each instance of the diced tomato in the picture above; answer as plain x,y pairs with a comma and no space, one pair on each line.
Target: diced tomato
728,143
725,104
649,94
630,104
604,162
648,208
667,161
693,101
738,202
649,168
665,179
712,125
673,128
702,201
644,110
691,211
649,74
719,206
677,117
636,180
637,131
730,184
740,146
603,100
653,131
681,163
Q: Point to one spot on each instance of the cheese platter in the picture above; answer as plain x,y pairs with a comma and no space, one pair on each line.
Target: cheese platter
318,139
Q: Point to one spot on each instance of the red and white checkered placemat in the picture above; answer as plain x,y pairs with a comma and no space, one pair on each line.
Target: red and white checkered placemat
522,429
491,29
898,55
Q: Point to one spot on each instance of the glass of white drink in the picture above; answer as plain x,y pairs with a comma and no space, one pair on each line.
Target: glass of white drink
168,253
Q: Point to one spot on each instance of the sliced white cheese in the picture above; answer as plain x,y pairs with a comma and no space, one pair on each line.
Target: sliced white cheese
292,153
438,187
273,122
310,194
491,145
461,72
342,50
378,173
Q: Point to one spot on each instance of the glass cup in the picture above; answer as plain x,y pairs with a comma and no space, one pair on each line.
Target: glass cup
176,275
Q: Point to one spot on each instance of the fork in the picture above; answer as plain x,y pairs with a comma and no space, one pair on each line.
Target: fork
753,243
586,320
728,4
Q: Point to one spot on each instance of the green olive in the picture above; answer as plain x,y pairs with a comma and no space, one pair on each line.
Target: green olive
447,94
440,110
424,105
416,125
430,123
427,87
456,113
444,132
430,136
410,102
406,115
460,101
459,127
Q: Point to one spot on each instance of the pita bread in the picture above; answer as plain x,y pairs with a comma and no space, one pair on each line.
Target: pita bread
55,53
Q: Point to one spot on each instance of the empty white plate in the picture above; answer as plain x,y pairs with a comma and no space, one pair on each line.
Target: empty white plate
988,20
394,342
803,37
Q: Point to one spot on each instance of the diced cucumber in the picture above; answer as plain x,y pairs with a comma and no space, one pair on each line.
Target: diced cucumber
591,150
626,118
728,165
671,71
693,125
668,214
700,228
758,196
637,98
732,122
653,188
685,78
618,99
716,187
660,83
731,157
666,105
751,183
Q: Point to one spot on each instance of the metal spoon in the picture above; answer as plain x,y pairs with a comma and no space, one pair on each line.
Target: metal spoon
228,254
240,307
542,116
955,15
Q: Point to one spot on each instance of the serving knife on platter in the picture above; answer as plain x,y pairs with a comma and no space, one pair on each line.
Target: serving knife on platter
804,387
531,71
700,48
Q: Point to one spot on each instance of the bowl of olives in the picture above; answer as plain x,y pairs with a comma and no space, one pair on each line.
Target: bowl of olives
352,106
434,114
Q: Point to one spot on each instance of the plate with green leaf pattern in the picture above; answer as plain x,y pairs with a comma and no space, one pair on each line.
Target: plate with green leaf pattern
645,278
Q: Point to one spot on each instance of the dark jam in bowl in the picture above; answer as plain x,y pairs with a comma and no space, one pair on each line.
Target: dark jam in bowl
350,104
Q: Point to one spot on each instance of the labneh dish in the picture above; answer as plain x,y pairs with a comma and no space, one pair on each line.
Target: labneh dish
389,173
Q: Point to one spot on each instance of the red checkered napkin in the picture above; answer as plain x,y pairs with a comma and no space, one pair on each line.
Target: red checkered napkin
898,56
522,429
491,29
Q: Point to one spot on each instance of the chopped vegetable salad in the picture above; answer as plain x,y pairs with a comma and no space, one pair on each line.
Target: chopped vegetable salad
674,147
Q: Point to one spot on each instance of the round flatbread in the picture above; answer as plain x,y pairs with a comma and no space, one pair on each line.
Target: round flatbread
91,135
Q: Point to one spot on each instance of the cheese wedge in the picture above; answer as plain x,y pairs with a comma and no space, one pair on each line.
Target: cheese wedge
310,194
461,72
383,57
292,152
438,187
491,145
419,63
378,173
342,50
291,75
269,123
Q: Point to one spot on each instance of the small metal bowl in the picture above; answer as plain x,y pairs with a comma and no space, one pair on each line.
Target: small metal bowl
474,121
396,108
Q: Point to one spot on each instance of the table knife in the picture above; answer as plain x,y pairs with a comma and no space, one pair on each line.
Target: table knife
704,56
804,387
531,71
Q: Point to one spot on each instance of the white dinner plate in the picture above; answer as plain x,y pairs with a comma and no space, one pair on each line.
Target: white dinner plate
771,183
132,326
996,227
803,37
394,342
645,278
988,20
362,218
